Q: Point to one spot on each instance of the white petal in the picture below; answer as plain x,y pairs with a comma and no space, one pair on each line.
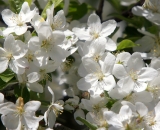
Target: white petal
112,118
7,31
140,11
25,8
7,107
19,30
30,121
117,93
22,62
109,83
36,87
108,63
33,77
108,27
82,71
110,45
52,93
58,54
157,110
135,62
11,117
51,119
141,109
155,63
79,113
58,37
81,33
140,86
19,49
50,14
93,20
9,42
44,32
15,68
83,85
125,112
147,74
119,71
3,64
123,58
146,44
126,84
1,98
46,114
8,17
59,20
139,97
90,65
32,106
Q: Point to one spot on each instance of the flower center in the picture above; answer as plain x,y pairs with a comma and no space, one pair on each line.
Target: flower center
46,44
9,56
30,57
149,119
20,109
133,75
153,6
17,19
100,76
96,57
57,108
57,24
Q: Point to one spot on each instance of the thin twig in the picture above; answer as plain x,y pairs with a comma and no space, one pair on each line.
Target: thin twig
100,9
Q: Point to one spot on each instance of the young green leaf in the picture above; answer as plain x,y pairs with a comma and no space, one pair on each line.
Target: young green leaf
126,44
4,84
7,75
29,2
48,5
15,5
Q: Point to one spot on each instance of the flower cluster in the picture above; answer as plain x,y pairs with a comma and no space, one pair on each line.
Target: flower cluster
107,88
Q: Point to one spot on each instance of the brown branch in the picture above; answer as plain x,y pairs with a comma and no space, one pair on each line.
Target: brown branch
100,9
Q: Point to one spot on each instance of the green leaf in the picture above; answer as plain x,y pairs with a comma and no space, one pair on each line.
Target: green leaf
89,125
77,11
7,75
126,44
3,84
48,5
15,5
56,2
2,2
116,4
23,92
29,2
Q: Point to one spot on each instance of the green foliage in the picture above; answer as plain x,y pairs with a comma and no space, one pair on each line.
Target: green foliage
22,91
3,84
89,125
126,44
48,5
15,5
7,75
29,2
77,11
110,100
6,79
116,4
2,2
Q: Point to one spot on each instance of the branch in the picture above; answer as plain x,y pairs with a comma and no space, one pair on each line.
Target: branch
100,9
